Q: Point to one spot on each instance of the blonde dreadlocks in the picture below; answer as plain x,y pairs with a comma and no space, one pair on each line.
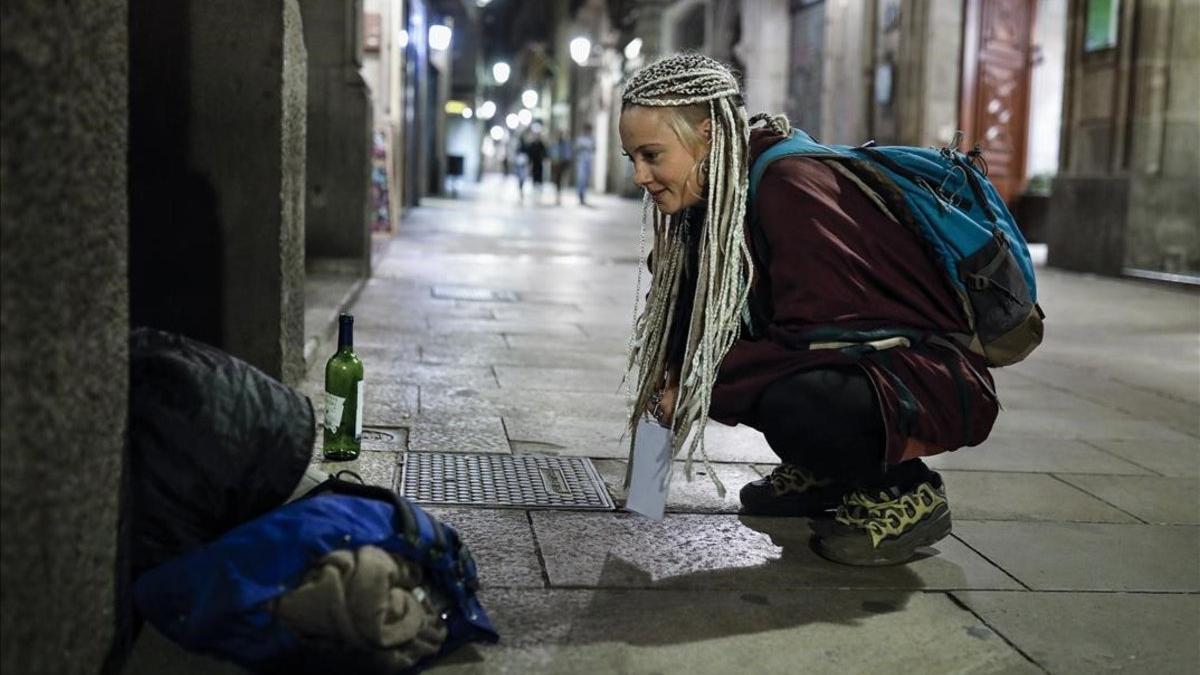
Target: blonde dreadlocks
723,267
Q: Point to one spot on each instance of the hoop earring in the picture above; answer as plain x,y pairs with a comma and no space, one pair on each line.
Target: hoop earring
701,169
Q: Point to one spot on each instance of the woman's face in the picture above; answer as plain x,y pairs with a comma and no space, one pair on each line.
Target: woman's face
662,164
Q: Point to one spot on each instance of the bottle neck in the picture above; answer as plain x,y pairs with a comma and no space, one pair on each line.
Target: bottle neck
345,335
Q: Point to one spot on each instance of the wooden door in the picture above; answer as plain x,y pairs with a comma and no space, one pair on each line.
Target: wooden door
994,109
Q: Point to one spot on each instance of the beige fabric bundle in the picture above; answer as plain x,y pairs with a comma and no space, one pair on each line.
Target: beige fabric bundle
366,605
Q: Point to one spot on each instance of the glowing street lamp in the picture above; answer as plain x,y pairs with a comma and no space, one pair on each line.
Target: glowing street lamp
402,38
467,113
529,98
581,48
497,133
501,71
633,49
487,110
525,116
439,37
512,121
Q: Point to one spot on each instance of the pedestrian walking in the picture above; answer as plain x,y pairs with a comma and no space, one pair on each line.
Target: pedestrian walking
537,151
560,161
585,148
737,308
521,165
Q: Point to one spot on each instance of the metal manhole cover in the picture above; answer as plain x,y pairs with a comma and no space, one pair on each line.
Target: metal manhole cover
473,294
507,481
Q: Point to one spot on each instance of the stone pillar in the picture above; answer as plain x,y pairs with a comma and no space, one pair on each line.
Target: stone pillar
1125,199
337,222
217,176
764,48
64,327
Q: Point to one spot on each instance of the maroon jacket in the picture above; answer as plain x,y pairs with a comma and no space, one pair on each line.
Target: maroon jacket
836,259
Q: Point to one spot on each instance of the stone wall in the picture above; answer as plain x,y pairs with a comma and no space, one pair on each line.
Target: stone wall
63,329
217,119
1131,125
339,135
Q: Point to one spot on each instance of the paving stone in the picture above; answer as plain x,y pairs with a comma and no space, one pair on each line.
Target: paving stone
565,330
1180,459
387,405
1090,556
726,552
481,433
1154,499
1034,455
1070,425
569,436
736,444
987,495
501,541
559,379
522,402
1141,633
384,405
819,631
537,344
410,373
696,496
375,468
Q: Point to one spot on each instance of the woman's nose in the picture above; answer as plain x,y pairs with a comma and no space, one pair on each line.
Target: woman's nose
641,175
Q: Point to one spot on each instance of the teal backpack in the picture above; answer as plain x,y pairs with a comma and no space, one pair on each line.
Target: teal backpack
942,196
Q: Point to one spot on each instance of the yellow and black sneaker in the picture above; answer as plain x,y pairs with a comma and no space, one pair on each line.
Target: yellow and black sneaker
885,527
791,490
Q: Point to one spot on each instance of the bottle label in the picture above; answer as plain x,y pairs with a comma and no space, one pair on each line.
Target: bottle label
358,411
334,405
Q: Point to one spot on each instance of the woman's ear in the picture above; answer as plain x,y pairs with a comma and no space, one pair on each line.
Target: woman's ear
706,129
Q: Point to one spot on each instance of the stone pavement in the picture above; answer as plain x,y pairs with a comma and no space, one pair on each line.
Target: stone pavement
493,326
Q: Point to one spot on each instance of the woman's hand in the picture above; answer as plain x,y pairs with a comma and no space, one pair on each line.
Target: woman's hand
662,404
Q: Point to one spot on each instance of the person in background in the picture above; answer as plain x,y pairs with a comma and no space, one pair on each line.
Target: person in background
560,161
537,151
585,149
736,309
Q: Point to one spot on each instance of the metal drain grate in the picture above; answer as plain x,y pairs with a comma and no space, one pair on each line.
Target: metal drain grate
510,481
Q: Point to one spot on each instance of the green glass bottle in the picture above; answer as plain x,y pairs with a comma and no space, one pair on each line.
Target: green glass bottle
343,397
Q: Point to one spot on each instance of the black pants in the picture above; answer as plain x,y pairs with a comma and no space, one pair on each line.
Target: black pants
829,422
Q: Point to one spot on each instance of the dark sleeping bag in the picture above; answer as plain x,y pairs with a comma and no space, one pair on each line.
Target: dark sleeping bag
214,442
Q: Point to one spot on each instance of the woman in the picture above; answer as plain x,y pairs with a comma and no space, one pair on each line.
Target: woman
727,331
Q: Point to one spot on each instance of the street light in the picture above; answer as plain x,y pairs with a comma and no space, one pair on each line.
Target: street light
467,113
500,71
487,110
581,48
633,49
439,37
402,38
497,133
529,98
512,121
525,116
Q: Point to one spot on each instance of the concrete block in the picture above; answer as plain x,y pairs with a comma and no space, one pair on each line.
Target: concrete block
708,552
988,495
501,541
696,496
458,434
1142,633
1035,455
670,631
1169,501
1091,556
1181,460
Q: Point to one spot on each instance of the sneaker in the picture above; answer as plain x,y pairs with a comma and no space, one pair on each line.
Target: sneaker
885,527
791,490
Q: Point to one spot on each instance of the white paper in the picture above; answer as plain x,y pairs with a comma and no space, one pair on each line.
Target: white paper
650,475
333,411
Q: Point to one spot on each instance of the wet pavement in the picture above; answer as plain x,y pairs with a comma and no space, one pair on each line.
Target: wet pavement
496,326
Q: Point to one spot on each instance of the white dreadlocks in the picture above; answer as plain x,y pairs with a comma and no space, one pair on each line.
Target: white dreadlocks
723,267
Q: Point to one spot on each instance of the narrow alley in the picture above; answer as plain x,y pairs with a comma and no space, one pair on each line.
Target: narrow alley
492,326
